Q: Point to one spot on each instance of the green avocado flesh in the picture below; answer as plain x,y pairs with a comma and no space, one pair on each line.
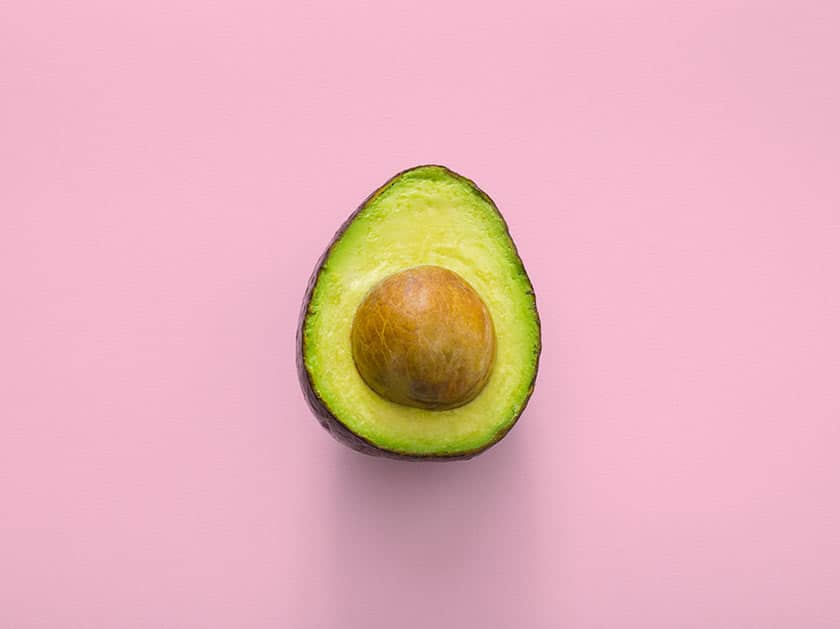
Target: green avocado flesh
425,216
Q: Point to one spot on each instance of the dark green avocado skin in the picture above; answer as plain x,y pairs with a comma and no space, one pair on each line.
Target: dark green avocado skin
323,414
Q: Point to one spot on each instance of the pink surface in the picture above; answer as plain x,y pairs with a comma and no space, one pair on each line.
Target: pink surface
171,172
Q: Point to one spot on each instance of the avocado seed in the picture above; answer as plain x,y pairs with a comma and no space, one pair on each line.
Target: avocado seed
424,338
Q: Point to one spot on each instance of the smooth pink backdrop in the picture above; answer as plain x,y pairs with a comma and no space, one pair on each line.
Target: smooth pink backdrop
169,173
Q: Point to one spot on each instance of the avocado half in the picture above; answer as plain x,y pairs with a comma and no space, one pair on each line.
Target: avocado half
427,215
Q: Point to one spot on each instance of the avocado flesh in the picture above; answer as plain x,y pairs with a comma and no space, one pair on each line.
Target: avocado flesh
424,216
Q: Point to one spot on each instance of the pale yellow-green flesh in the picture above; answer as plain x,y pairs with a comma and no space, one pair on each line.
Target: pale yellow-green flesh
425,216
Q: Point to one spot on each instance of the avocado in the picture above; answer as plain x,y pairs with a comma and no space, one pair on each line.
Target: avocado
419,336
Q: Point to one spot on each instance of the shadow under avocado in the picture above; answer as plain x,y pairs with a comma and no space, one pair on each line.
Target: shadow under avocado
418,537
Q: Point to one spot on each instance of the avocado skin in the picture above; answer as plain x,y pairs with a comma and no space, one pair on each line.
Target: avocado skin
330,422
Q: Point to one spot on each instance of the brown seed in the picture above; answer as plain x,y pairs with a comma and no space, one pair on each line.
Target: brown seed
423,337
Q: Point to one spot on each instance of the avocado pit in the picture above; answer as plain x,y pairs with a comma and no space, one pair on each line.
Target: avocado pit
423,337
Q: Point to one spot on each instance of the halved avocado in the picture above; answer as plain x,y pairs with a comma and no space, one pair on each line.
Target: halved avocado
419,336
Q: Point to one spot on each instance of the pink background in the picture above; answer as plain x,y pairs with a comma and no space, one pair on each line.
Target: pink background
171,172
